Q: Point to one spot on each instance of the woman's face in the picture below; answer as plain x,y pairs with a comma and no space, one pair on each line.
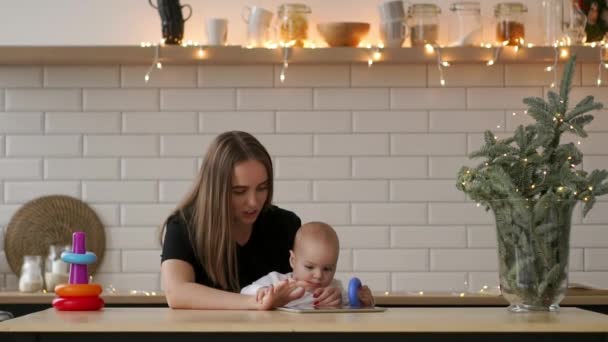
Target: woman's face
249,191
593,13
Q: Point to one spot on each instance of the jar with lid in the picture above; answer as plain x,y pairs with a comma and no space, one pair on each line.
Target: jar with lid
510,22
424,24
56,270
293,23
30,279
466,28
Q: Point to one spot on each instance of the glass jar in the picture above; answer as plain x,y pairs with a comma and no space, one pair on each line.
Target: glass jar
30,279
510,26
424,24
56,271
293,23
468,28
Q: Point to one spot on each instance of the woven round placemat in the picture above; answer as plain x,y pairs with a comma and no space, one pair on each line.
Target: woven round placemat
51,220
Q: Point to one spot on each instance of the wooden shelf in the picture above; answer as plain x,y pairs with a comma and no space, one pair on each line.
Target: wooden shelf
100,55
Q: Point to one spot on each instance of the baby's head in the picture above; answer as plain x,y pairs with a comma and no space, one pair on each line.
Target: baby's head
315,254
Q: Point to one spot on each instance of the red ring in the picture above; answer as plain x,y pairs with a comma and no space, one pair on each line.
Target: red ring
78,303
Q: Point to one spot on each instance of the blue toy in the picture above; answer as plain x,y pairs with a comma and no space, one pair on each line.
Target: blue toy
353,292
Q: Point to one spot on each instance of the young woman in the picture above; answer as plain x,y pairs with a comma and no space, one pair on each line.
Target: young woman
226,233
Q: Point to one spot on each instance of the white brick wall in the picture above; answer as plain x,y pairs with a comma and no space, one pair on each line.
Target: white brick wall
373,151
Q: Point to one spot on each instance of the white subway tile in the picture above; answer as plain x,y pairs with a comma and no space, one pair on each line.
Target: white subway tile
2,96
345,260
163,168
600,120
120,145
287,145
24,100
165,122
351,98
448,167
577,260
428,144
21,192
425,191
481,236
466,121
133,238
292,191
173,191
87,122
196,99
513,121
145,214
467,75
124,282
15,169
4,267
350,191
313,122
17,76
108,213
596,259
391,260
98,76
274,99
171,76
464,260
2,145
500,98
351,144
313,76
363,236
377,281
31,145
428,236
11,282
484,281
389,213
235,76
110,262
20,122
332,213
76,168
428,98
595,143
594,279
385,121
589,75
252,122
429,281
476,140
185,145
312,168
589,236
388,75
119,192
459,213
597,215
141,261
7,212
389,167
121,100
595,162
536,75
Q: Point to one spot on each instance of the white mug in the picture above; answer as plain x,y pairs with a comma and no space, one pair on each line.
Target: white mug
393,33
217,31
258,22
392,10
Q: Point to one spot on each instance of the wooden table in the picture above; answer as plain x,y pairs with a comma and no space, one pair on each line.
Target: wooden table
395,324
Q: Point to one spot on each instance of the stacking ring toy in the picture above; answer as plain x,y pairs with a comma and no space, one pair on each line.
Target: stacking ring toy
79,259
78,290
78,303
353,292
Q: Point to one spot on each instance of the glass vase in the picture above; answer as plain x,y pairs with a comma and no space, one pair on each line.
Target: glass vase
533,250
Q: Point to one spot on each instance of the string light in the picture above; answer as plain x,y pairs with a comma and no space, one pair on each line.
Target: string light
286,55
440,63
155,63
496,53
603,46
554,66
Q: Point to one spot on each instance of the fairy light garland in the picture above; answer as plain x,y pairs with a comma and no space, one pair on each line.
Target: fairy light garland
603,47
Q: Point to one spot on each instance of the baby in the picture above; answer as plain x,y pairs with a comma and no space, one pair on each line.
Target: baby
313,259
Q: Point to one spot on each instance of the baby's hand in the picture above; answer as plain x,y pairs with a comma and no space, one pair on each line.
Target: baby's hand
365,296
261,293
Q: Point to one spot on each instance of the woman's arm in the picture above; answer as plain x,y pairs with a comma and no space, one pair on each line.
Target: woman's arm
183,293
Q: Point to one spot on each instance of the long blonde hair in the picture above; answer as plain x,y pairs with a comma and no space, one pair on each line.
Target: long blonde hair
208,205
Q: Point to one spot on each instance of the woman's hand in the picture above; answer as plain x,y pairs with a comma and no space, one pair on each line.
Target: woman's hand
268,298
327,296
366,297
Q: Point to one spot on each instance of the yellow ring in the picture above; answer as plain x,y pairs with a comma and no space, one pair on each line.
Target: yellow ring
78,290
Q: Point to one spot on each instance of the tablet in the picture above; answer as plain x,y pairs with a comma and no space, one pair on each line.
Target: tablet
345,309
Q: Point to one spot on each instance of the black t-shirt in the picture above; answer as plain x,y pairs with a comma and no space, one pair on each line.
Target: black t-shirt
267,250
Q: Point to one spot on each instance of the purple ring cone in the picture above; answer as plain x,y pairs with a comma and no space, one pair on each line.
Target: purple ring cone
78,243
78,273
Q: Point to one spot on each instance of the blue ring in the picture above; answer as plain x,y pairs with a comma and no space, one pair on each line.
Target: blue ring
79,259
353,292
